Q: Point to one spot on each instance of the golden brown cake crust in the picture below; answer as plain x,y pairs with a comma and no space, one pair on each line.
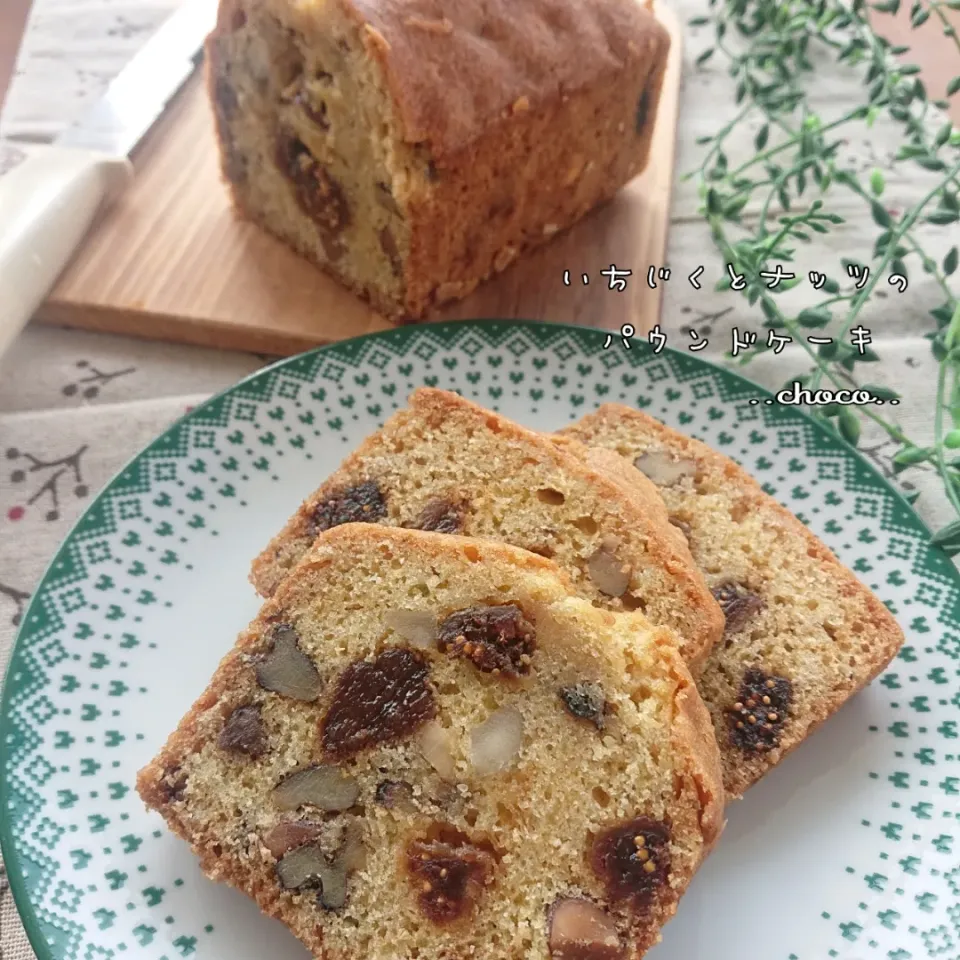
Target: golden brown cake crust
498,488
820,628
486,127
683,786
455,67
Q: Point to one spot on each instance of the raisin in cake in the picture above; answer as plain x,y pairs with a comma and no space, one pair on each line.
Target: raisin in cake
802,633
429,746
448,465
415,147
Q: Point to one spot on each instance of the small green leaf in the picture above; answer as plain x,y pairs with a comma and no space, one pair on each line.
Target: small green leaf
952,440
881,392
943,217
763,135
943,134
948,535
877,182
880,216
953,86
814,317
910,456
699,21
919,18
849,424
931,163
950,261
704,57
832,287
911,497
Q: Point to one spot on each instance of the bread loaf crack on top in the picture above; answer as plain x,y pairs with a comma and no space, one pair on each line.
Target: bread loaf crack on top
413,148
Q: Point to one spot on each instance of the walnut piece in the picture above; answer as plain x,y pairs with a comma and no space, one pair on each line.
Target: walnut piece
287,835
323,786
608,572
286,669
581,930
663,468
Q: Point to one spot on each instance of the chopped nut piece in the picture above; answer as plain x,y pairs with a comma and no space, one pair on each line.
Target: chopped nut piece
581,930
377,702
586,701
495,639
395,795
437,748
521,104
495,744
443,25
739,605
630,869
307,866
287,835
243,732
607,570
286,669
663,468
322,786
418,627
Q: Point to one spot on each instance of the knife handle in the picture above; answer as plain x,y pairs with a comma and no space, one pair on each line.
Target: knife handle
47,205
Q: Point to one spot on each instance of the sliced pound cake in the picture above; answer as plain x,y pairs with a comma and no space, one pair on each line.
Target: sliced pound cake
428,746
448,465
802,633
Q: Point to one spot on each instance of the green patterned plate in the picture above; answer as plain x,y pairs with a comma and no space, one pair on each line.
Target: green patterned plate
851,849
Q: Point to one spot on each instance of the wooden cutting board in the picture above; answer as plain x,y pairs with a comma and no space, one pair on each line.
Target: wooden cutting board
170,262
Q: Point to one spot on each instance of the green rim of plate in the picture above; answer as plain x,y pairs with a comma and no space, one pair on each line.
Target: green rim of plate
497,332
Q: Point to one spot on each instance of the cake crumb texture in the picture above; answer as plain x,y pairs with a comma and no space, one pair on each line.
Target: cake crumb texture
385,791
448,465
802,634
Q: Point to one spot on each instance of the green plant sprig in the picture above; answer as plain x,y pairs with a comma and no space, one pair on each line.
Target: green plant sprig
769,46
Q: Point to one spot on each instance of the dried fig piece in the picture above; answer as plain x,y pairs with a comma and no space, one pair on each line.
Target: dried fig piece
323,786
395,795
495,639
739,605
663,468
318,194
418,627
286,669
633,860
608,572
378,701
441,516
762,708
173,784
243,732
586,701
581,930
448,874
362,503
287,835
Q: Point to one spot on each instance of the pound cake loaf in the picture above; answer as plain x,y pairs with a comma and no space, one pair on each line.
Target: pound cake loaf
448,465
427,746
802,633
412,148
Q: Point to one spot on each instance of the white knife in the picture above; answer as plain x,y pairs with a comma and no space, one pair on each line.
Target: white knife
48,202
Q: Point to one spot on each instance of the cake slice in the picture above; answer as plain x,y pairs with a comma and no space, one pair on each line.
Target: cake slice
428,746
802,633
413,148
448,465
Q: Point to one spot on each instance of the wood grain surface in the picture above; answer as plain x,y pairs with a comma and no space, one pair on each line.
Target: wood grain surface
169,261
